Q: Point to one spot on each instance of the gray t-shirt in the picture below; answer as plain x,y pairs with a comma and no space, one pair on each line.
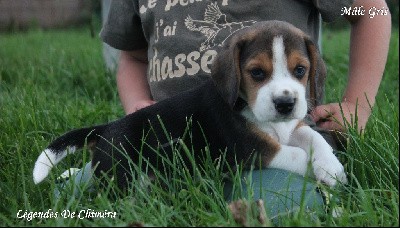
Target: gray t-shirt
183,36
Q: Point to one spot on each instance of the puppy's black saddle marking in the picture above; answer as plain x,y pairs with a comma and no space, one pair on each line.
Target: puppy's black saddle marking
200,118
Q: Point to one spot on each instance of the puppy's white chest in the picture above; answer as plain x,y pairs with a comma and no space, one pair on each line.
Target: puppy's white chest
281,131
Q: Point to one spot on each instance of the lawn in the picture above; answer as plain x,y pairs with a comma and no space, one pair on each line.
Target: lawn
54,81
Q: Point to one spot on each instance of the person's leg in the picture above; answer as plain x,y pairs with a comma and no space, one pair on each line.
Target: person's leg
283,192
75,181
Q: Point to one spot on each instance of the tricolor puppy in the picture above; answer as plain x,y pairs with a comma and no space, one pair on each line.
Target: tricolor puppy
268,66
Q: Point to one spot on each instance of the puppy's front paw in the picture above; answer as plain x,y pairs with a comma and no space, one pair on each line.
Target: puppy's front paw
290,158
329,170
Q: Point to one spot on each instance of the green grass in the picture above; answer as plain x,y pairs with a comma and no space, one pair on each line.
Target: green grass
55,81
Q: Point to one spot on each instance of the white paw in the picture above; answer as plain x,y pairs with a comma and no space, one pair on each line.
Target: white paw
329,170
290,158
300,158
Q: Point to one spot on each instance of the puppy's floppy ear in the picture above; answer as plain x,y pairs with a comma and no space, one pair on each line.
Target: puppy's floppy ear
317,72
226,71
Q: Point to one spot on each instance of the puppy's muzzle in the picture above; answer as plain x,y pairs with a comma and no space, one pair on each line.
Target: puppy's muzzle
284,105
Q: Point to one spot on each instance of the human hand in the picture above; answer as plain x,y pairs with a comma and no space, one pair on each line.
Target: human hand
331,116
139,105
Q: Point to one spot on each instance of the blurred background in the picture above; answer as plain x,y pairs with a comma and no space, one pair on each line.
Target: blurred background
22,15
47,14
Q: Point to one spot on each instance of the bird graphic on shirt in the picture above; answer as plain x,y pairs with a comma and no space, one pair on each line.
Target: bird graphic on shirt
215,26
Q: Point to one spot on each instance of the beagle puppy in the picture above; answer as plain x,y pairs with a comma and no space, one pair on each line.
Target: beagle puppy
267,68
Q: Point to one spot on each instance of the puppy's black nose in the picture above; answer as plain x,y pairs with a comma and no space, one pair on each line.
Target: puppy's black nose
284,105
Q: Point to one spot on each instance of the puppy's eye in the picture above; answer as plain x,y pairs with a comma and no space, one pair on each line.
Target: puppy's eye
258,74
299,72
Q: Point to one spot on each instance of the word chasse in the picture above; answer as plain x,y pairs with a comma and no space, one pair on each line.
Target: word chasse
360,11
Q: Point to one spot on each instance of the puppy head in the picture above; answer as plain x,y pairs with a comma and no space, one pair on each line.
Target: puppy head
270,65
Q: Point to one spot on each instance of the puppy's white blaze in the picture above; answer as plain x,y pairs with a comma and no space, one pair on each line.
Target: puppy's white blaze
264,108
279,58
45,162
